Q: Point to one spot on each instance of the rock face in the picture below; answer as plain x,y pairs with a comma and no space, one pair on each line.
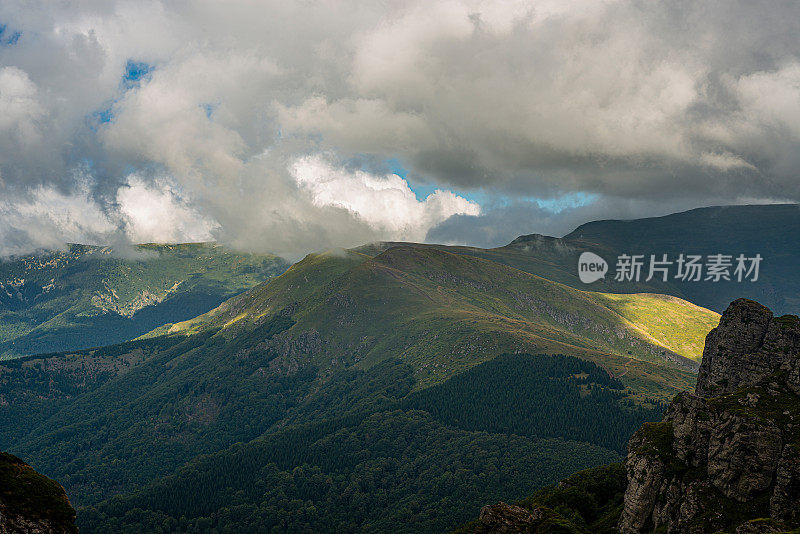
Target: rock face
31,503
504,518
730,452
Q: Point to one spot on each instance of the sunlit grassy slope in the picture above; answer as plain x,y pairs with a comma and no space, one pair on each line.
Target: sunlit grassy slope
443,312
677,324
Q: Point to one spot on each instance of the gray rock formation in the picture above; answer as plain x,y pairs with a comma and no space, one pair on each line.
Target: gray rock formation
503,518
729,453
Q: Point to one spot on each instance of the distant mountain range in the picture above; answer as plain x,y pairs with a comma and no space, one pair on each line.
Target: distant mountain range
89,296
389,387
92,296
772,231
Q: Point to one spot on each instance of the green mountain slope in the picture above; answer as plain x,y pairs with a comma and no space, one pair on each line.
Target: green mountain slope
173,402
91,296
393,472
337,344
443,312
331,379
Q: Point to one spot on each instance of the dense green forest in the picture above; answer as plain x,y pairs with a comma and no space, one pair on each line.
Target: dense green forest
297,450
392,472
542,396
182,396
360,450
588,502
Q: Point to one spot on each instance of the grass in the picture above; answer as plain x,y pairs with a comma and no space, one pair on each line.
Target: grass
675,323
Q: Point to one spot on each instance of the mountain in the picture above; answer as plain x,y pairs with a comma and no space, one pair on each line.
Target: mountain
30,502
314,401
90,296
724,459
767,230
443,312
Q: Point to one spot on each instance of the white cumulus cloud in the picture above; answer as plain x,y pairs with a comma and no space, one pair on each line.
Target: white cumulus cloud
385,203
156,213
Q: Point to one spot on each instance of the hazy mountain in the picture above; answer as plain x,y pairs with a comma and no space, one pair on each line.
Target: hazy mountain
90,296
773,231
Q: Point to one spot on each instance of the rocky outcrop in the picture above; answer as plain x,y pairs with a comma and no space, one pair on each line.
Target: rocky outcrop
31,503
747,347
730,452
505,518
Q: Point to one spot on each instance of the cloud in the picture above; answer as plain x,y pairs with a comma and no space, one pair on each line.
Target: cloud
141,211
21,109
210,107
157,214
47,218
386,203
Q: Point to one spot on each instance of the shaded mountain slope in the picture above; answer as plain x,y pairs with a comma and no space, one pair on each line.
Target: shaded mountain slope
768,230
90,296
391,472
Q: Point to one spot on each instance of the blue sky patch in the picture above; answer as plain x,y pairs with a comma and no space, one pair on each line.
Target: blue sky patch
209,109
103,116
487,199
396,167
570,200
8,38
135,72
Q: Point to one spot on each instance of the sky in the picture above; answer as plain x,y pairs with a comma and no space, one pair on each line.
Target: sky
291,127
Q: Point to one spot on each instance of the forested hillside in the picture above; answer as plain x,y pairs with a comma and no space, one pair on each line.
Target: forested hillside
357,456
353,392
